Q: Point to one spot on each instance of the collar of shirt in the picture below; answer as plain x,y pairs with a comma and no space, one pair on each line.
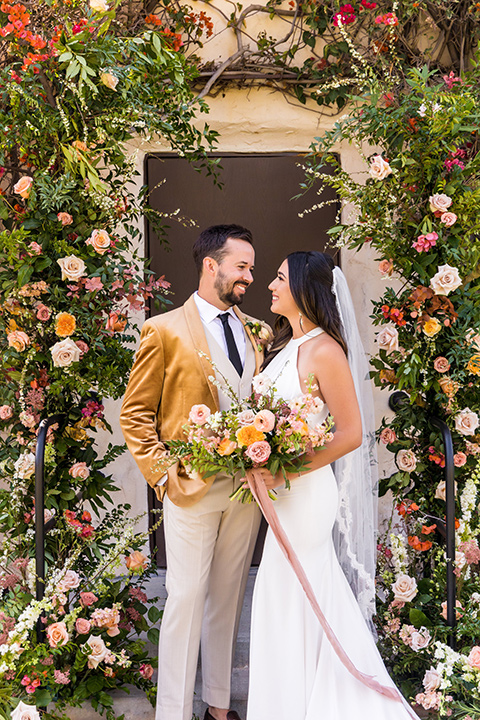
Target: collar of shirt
209,312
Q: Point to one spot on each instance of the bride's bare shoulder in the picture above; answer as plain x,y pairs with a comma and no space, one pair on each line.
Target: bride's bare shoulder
325,348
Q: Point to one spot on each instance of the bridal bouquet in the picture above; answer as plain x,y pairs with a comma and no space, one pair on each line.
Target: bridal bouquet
262,430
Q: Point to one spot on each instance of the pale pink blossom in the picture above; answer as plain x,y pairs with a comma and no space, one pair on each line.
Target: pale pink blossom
246,417
199,414
98,651
406,460
446,280
404,588
65,218
458,606
466,422
429,700
92,284
387,339
264,421
18,340
261,384
25,712
57,634
27,419
23,186
448,219
72,267
64,353
79,470
431,680
69,581
83,626
87,598
440,202
100,241
459,459
420,639
258,451
34,248
388,436
379,168
441,364
6,412
474,657
385,267
107,618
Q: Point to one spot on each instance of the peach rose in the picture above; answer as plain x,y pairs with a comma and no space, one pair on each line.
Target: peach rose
466,422
72,267
43,312
83,626
261,384
458,609
440,202
226,447
34,248
474,657
448,219
431,327
431,680
406,460
65,324
18,340
446,280
79,470
459,459
385,267
441,364
405,588
110,81
98,651
264,421
25,712
259,452
246,417
199,414
87,598
64,353
100,241
379,168
388,436
65,218
136,561
23,186
6,412
449,386
420,639
70,580
387,339
146,671
57,634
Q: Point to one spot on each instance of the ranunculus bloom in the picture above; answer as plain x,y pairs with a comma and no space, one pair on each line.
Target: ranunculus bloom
446,280
226,447
199,414
64,353
73,267
23,186
87,598
65,218
249,434
57,634
385,267
261,384
387,339
98,651
404,588
466,422
440,202
136,561
441,364
110,81
448,219
388,436
70,580
65,324
100,241
431,327
431,680
459,459
25,712
79,470
258,452
379,168
264,421
406,460
6,412
146,671
18,340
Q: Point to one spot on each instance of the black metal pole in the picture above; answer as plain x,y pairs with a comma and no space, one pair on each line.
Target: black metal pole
40,510
449,474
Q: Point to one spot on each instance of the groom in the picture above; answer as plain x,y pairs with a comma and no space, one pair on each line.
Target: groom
209,539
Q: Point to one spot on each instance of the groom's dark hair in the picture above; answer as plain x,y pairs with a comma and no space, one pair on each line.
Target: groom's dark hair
211,242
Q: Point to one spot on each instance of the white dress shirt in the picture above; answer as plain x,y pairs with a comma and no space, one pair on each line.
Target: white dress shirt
209,317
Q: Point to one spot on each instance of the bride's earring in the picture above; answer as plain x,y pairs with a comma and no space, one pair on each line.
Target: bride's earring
300,319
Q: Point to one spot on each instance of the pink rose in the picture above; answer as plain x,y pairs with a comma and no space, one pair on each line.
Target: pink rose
420,639
82,346
100,241
459,459
448,219
65,218
34,249
43,312
69,581
387,339
136,561
385,267
23,186
6,412
405,588
18,340
79,470
146,671
474,657
446,280
199,414
247,417
441,364
264,421
440,202
379,168
388,436
466,422
57,634
431,680
82,626
87,598
258,451
406,460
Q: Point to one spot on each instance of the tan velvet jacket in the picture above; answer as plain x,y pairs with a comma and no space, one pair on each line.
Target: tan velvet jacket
167,378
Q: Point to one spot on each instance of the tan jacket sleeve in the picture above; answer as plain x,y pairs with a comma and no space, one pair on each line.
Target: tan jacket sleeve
139,414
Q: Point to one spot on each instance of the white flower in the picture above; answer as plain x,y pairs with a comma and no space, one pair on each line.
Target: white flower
441,490
98,5
379,168
406,460
405,588
73,267
436,107
387,339
25,466
99,651
261,383
420,639
65,352
440,202
466,422
431,680
25,712
422,110
445,280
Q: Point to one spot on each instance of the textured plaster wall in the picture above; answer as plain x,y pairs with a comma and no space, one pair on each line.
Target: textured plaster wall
259,120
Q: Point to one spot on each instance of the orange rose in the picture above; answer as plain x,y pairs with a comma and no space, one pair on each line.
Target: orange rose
65,324
136,561
249,434
473,365
448,386
226,447
22,187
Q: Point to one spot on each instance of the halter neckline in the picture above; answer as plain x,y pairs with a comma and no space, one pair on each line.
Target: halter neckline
314,332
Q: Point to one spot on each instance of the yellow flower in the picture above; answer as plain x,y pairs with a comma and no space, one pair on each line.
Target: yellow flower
432,327
249,434
226,447
65,324
449,386
474,365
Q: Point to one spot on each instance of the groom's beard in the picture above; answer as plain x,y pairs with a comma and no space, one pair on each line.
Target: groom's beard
227,291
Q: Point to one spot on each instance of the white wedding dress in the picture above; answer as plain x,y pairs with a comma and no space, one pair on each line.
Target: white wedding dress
294,671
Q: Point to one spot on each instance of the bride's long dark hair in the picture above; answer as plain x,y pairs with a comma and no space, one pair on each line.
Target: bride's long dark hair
310,277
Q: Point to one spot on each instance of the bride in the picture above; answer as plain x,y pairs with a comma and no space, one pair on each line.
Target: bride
295,673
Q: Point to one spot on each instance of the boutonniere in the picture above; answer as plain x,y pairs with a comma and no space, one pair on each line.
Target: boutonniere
261,332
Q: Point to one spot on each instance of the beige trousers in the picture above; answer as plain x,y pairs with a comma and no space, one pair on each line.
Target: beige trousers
209,548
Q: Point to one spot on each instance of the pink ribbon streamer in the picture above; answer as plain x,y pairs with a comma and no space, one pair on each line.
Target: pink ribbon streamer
260,493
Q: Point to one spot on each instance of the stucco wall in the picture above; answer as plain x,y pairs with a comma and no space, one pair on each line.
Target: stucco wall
251,121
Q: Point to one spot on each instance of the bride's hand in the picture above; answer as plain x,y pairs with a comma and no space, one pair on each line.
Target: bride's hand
271,481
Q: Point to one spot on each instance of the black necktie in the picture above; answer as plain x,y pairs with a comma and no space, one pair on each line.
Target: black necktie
231,345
